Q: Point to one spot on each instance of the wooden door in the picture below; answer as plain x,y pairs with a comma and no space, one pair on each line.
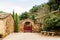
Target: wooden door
27,28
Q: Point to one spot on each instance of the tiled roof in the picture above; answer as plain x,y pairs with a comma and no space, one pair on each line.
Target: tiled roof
4,15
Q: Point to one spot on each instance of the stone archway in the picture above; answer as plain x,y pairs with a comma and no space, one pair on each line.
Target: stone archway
27,27
23,28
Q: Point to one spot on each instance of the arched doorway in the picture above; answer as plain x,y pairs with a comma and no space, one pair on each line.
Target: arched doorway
27,27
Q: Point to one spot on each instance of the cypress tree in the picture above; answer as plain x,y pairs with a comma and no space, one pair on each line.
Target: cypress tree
16,23
13,14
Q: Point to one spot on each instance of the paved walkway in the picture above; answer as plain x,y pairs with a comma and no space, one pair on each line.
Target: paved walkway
29,36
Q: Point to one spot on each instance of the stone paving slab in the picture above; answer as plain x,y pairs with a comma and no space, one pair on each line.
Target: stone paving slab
1,38
29,36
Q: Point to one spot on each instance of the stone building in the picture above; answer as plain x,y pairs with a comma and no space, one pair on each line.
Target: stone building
27,25
6,24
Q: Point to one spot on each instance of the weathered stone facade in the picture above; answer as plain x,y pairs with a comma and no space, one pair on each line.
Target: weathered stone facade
35,28
38,23
6,24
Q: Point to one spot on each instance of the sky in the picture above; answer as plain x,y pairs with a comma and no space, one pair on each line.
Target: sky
19,6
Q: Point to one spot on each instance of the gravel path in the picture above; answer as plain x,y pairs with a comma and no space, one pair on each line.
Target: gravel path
29,36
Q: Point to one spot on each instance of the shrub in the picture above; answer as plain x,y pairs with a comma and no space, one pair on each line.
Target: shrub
52,23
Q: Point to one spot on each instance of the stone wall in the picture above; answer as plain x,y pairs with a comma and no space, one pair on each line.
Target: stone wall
35,28
2,27
9,24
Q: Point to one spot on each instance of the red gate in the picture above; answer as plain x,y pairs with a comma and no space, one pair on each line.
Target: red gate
27,28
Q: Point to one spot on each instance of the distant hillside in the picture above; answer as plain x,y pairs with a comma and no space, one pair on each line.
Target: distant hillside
43,10
2,12
39,10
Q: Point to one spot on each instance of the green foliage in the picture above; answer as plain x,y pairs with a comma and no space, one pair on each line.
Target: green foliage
59,9
24,16
16,22
52,23
16,18
33,17
13,14
34,9
40,10
46,28
54,4
58,2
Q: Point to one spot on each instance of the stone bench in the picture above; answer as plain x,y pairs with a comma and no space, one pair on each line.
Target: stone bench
51,33
48,33
43,32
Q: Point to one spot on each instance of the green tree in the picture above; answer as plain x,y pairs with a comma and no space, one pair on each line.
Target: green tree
13,14
54,4
33,17
58,2
16,18
24,16
34,9
16,22
52,23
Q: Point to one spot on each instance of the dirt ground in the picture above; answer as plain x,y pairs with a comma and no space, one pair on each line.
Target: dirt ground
30,36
